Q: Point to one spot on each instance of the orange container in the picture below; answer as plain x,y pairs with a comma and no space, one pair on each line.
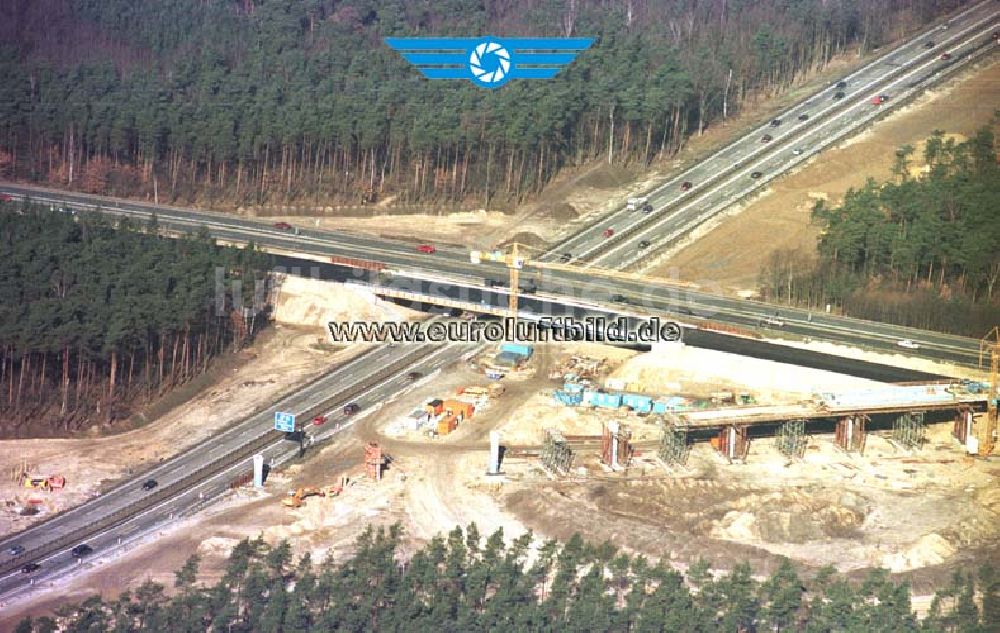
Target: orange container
460,408
446,425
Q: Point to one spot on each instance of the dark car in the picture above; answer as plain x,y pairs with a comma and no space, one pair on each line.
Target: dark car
351,409
30,568
755,175
767,138
686,311
82,550
841,84
15,550
945,56
686,185
803,117
644,244
929,44
284,226
775,122
150,484
647,208
414,375
565,257
839,95
619,298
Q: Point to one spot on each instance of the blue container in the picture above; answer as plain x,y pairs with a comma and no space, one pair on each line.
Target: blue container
517,348
573,387
607,400
568,399
637,402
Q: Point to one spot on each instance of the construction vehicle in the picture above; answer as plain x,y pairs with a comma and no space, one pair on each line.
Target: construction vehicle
294,499
55,482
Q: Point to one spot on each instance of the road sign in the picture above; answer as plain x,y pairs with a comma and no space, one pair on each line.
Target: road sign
284,422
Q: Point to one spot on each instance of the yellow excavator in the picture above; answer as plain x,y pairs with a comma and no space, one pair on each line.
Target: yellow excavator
294,498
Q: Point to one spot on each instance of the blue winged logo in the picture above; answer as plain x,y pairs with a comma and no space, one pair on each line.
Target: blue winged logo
489,62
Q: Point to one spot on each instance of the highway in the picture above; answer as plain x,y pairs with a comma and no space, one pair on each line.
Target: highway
202,472
810,126
449,271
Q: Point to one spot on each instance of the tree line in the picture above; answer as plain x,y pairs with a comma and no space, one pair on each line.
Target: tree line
922,249
253,101
465,582
100,316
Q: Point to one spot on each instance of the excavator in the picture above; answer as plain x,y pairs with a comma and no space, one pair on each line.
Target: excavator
294,499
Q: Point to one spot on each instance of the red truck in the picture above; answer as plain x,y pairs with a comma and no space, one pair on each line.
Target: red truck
426,248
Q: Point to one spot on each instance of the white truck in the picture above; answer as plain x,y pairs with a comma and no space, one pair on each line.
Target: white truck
634,204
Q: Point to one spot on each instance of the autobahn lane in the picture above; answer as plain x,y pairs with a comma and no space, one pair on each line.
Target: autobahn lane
644,236
367,380
795,121
450,264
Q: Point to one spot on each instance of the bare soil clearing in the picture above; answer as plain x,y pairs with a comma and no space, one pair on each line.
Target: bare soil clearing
292,353
732,250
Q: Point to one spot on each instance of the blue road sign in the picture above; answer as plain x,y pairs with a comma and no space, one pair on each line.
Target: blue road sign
284,422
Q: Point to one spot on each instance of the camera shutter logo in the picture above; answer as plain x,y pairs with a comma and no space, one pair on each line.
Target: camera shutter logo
489,62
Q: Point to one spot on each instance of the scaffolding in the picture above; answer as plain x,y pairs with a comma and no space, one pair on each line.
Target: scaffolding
791,439
674,446
557,456
374,461
987,435
908,430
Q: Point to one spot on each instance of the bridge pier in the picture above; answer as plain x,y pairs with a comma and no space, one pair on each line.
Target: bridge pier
850,433
616,446
733,443
963,431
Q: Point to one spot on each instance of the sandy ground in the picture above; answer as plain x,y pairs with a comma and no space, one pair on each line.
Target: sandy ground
291,353
780,218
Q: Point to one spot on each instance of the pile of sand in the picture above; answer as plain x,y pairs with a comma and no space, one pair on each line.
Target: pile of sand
931,549
315,303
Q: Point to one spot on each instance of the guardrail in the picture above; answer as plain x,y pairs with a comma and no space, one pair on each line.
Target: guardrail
264,440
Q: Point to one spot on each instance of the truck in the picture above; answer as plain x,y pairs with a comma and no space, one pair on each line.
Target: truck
527,286
634,204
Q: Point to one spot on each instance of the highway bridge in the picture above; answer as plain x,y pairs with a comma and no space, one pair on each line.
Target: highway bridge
201,473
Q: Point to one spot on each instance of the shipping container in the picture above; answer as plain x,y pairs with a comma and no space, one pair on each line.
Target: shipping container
615,383
446,425
636,402
573,387
568,399
607,400
525,351
459,409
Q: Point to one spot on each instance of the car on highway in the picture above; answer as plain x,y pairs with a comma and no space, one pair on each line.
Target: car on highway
15,550
945,56
879,99
647,208
841,84
414,375
149,484
82,550
772,321
565,257
767,138
351,409
803,117
284,226
619,298
930,44
775,122
608,232
797,151
30,568
319,420
686,185
6,197
908,344
644,244
755,175
427,248
838,95
686,311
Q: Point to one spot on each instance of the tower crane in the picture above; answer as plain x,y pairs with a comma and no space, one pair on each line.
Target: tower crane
990,346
